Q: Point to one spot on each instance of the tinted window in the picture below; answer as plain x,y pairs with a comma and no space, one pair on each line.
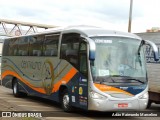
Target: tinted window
70,47
23,45
13,46
6,47
83,59
36,45
51,45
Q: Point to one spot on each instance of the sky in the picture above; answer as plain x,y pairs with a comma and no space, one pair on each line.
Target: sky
109,14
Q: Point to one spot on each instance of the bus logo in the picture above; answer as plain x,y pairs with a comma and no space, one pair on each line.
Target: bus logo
80,90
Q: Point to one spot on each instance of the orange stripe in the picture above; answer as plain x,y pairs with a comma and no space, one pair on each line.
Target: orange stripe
8,72
65,79
106,88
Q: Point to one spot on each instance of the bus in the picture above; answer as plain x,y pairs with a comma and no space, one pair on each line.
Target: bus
83,67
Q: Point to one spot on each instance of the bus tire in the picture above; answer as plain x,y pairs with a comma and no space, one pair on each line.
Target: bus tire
65,101
16,91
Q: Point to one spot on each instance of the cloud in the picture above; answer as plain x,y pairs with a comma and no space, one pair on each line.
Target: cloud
105,13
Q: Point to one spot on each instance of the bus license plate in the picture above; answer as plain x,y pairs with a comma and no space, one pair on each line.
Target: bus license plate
122,105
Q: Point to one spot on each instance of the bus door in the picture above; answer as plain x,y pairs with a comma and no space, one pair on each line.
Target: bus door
74,51
83,76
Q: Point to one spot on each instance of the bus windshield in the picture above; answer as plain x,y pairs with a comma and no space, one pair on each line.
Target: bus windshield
118,60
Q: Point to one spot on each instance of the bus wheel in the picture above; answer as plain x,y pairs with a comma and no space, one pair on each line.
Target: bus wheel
16,91
65,101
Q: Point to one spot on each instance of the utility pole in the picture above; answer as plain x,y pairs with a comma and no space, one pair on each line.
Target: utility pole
130,16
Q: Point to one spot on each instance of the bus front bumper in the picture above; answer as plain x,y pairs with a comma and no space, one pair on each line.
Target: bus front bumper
117,105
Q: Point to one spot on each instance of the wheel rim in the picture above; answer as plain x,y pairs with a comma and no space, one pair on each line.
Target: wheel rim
15,88
66,101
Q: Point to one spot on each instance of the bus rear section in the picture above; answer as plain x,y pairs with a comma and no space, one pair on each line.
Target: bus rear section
83,67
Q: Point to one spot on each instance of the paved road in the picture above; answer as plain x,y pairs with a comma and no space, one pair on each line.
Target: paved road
50,110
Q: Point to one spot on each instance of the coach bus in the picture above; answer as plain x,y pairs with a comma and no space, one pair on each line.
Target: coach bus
80,66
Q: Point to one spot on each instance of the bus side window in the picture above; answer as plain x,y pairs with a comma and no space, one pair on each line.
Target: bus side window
69,48
23,46
13,47
6,48
83,59
36,45
51,45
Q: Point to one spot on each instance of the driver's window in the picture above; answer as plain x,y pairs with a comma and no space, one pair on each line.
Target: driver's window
83,58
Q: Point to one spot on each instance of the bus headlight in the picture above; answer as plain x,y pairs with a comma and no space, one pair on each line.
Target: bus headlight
144,96
96,95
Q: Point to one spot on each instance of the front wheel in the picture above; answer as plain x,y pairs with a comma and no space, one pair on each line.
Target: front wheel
65,101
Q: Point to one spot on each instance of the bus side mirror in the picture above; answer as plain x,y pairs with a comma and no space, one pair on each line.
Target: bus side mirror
155,49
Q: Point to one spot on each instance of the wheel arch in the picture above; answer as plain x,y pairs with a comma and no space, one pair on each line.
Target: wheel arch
61,89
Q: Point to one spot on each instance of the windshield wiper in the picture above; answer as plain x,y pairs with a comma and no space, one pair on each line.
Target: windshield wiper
128,78
107,80
136,80
116,76
111,78
118,79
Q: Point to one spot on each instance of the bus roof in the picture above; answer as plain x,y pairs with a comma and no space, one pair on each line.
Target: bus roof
91,31
87,31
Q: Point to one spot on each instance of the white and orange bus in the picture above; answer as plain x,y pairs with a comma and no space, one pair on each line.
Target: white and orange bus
80,66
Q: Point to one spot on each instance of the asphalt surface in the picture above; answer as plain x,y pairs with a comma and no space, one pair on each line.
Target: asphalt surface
48,110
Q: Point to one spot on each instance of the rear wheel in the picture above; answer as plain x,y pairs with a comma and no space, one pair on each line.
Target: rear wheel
65,101
16,91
